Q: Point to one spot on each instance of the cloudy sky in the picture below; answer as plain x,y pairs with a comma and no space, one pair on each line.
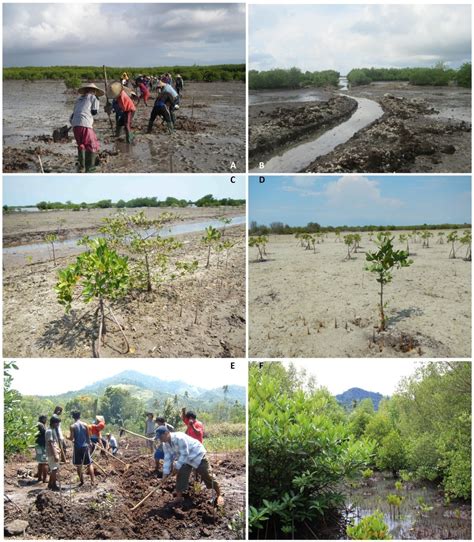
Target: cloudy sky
360,200
376,375
203,373
123,34
341,37
31,189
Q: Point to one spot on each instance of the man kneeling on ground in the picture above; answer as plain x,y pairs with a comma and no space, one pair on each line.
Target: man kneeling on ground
186,453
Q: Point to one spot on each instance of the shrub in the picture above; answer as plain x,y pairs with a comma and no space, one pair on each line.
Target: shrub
370,527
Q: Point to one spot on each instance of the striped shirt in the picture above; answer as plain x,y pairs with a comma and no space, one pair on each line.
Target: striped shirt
184,450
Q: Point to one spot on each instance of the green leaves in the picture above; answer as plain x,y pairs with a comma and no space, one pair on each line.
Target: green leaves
371,527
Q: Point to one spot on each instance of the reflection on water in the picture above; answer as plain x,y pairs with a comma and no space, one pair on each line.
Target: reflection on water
289,95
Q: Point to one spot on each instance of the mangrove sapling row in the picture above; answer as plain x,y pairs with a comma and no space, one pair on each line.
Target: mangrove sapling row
211,239
382,262
101,275
260,242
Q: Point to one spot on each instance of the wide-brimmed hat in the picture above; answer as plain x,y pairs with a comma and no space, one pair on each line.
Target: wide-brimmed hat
114,89
90,86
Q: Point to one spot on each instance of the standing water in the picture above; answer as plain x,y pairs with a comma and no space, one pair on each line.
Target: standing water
343,83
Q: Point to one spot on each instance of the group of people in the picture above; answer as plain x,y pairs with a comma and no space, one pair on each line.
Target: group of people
51,447
181,452
125,95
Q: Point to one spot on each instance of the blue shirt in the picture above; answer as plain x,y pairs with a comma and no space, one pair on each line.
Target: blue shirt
81,435
184,450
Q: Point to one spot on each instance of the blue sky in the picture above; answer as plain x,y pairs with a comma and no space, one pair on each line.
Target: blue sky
29,190
360,200
341,37
127,34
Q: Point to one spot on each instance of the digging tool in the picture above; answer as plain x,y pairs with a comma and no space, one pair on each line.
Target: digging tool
152,492
58,478
108,105
14,503
123,430
127,466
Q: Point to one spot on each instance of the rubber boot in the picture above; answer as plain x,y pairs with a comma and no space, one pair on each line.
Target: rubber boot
130,137
91,158
118,130
81,160
170,127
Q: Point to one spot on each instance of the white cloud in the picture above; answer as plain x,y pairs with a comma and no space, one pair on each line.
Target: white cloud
358,192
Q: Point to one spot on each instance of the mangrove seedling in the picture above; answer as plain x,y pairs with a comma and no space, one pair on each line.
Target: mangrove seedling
51,238
224,221
211,238
394,502
426,238
466,240
371,527
441,235
452,238
101,275
382,262
403,237
260,243
349,242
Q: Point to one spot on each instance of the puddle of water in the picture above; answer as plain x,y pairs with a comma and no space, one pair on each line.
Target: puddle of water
281,96
188,227
343,82
297,158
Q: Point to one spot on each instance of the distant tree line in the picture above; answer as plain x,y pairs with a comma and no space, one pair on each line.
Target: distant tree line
438,75
292,78
221,72
206,201
279,228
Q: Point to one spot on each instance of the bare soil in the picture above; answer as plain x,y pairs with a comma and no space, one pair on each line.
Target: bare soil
104,512
209,136
305,305
197,315
423,129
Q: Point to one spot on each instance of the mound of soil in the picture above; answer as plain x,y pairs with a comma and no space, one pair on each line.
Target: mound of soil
274,128
405,139
105,512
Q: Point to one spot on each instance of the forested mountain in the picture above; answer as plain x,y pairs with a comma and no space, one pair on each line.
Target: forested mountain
350,398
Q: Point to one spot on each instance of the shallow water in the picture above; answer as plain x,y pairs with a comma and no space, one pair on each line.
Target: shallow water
297,158
289,95
41,249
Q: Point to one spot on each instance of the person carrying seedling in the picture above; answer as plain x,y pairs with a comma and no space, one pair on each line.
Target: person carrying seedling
181,454
159,454
40,449
82,121
53,452
115,91
79,434
194,428
150,430
166,103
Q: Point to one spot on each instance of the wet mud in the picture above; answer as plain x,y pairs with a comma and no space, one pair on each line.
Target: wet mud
104,512
209,136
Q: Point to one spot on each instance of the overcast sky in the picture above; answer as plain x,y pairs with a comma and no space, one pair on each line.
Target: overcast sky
341,37
31,189
360,200
84,34
52,376
378,375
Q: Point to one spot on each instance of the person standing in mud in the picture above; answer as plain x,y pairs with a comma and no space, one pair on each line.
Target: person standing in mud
82,121
40,449
116,92
166,103
150,431
62,444
79,435
95,432
194,428
179,84
182,453
159,454
53,452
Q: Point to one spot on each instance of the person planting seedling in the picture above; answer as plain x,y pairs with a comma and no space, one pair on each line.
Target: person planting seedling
382,263
102,276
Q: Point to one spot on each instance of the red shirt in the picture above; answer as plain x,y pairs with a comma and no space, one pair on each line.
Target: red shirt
96,428
125,102
190,431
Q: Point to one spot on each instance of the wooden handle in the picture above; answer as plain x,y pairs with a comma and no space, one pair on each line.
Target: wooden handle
145,498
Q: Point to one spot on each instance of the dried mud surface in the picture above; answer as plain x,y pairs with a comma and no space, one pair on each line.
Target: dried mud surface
209,135
305,305
423,130
104,512
274,126
198,315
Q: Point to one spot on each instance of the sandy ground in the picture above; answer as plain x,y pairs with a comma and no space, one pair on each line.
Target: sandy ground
209,136
198,315
303,304
104,512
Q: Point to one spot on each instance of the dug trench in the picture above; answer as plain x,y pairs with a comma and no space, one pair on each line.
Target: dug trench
104,512
209,135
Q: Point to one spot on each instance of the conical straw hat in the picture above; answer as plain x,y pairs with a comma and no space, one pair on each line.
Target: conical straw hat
114,89
90,86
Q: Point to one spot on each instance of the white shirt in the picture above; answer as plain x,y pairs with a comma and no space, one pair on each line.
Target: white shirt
184,450
82,115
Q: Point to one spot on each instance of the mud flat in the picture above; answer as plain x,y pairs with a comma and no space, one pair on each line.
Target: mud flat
104,512
423,129
197,315
303,304
209,136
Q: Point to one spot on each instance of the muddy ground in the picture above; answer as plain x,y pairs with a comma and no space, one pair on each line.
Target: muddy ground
196,315
304,304
104,512
209,135
274,128
423,129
